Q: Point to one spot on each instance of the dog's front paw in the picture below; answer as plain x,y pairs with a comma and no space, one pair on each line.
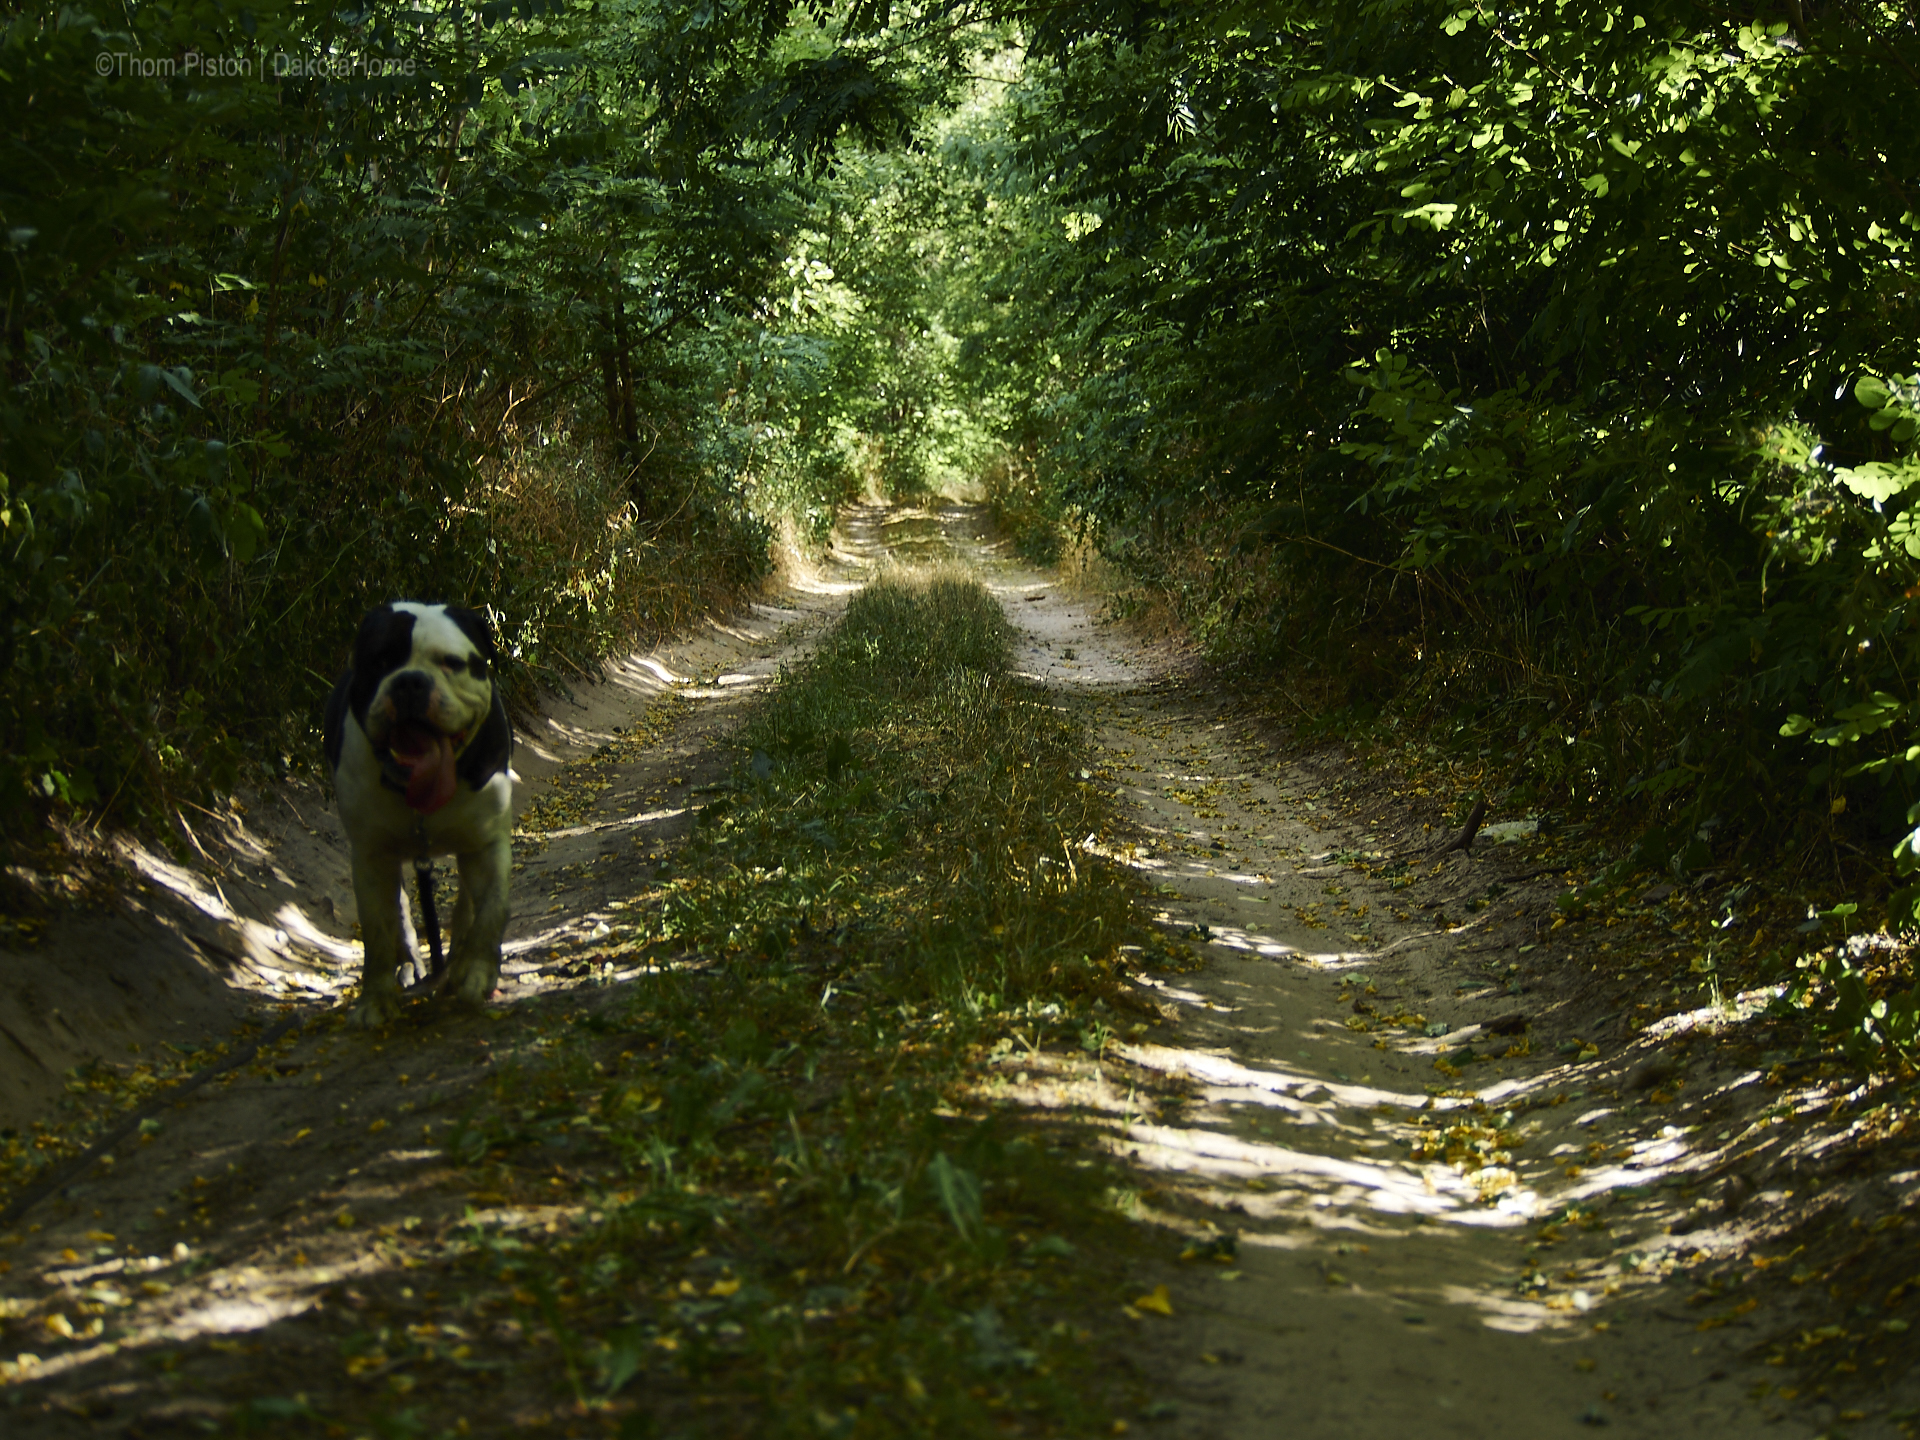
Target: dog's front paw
472,987
376,1009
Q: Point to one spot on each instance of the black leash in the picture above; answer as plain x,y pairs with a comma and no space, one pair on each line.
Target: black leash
429,916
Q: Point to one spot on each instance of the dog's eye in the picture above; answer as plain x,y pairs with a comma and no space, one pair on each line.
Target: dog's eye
478,665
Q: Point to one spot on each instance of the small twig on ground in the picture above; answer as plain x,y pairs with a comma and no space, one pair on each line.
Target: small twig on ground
1462,839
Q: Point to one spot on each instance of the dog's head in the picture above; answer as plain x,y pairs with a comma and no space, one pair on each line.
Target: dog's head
422,690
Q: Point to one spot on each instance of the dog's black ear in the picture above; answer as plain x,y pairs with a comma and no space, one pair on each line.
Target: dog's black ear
474,626
492,747
385,642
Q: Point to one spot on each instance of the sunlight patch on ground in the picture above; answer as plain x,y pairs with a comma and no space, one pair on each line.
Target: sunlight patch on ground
659,671
294,921
181,882
263,956
1714,1018
646,817
232,1316
1205,1153
1500,1312
1218,1070
1233,937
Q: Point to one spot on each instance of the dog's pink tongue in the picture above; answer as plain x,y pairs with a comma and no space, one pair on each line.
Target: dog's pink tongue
430,781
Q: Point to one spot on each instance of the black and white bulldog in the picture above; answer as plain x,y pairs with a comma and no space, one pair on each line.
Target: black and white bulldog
419,744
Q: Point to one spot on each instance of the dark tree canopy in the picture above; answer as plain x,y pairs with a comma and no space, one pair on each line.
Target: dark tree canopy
1549,367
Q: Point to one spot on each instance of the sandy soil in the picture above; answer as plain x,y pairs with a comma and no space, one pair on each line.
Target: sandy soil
1528,1243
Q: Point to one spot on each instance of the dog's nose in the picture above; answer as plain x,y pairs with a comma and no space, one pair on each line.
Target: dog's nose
411,692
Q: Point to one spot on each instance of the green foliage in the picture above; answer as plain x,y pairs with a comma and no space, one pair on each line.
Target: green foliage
398,302
1540,367
1857,998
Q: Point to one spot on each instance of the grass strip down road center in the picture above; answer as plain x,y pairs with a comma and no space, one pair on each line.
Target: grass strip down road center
803,1235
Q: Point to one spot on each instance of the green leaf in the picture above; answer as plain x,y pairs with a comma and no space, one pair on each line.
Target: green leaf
243,529
959,1194
1875,480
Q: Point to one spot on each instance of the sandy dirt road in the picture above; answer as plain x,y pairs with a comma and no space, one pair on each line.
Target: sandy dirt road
200,1261
1358,1093
1478,1253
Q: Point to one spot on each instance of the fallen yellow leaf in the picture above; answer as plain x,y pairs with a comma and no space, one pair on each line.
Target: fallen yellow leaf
1159,1301
725,1287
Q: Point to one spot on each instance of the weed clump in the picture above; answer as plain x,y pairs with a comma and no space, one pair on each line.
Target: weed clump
904,799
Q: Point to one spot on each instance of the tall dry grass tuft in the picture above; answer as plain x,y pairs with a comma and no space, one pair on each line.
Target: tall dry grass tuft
575,570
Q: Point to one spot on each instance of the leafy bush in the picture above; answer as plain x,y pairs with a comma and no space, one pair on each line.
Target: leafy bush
440,311
1537,369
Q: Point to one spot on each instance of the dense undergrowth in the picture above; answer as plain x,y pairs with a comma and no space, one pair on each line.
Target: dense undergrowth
1536,383
529,307
1535,376
889,880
